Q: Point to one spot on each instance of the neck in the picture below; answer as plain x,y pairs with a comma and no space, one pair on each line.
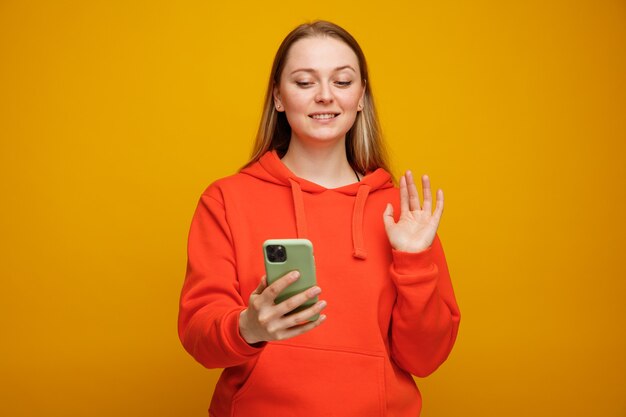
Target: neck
324,165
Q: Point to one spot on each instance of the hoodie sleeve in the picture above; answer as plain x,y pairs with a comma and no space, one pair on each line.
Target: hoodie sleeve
425,318
210,302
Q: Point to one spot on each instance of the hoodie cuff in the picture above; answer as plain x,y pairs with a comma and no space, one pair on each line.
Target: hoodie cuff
234,338
410,264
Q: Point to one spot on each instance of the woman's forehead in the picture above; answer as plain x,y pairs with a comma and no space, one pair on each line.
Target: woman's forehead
320,53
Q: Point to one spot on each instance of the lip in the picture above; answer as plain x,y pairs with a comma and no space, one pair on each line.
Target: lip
337,114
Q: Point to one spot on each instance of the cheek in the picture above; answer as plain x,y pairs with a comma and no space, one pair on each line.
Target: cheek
295,106
295,100
351,100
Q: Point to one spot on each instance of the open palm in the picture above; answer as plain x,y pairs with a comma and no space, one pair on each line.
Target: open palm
417,225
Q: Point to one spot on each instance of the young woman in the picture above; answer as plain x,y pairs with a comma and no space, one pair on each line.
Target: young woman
319,172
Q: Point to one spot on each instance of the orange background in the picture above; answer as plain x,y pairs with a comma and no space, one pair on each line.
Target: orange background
114,116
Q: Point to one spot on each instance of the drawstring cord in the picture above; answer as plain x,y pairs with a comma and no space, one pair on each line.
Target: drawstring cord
357,222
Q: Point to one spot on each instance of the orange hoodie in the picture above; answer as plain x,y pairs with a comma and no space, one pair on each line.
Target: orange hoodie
390,313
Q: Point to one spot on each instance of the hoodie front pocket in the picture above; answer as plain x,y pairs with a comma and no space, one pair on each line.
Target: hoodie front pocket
302,381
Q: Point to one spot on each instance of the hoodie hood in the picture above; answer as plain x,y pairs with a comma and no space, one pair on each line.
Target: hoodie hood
271,169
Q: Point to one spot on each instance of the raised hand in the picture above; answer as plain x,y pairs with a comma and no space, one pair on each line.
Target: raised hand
417,225
264,321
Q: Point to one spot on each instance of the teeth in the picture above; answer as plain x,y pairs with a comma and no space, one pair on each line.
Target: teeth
323,116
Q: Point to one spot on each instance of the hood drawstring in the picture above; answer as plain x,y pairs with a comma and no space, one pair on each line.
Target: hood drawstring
298,204
358,244
357,222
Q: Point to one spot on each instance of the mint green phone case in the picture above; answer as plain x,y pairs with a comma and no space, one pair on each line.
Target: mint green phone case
299,256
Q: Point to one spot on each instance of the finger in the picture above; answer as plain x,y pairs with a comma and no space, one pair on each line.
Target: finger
428,197
259,289
298,330
297,300
272,291
388,219
439,206
414,197
404,196
303,316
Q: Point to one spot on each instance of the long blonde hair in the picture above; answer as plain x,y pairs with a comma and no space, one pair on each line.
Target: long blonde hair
364,142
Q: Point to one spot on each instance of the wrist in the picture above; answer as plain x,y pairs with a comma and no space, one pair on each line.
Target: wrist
412,247
243,328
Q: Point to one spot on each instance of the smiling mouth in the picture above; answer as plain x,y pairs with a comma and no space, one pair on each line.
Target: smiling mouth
324,116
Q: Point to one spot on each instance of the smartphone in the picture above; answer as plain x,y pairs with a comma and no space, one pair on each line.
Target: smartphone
286,255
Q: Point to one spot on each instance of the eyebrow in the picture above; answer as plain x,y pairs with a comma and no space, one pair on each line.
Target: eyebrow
312,70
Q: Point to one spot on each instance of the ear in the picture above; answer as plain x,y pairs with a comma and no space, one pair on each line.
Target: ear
362,98
278,104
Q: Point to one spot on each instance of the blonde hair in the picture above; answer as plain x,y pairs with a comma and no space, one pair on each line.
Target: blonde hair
364,142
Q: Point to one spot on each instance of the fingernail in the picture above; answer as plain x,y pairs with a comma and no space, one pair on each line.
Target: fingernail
294,276
322,317
314,291
322,304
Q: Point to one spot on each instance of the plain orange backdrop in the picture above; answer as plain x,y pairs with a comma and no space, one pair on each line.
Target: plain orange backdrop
115,115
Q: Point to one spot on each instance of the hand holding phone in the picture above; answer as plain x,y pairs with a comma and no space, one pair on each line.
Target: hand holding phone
266,318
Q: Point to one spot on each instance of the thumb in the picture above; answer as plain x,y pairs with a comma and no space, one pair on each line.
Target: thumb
388,216
262,285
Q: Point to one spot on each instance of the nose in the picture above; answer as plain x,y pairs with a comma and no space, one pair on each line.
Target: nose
324,94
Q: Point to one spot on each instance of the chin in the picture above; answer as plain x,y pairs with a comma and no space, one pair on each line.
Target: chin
327,138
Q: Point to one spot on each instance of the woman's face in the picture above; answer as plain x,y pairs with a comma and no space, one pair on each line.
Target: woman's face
320,89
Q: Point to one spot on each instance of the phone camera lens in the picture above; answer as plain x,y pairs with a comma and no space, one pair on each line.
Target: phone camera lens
276,253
